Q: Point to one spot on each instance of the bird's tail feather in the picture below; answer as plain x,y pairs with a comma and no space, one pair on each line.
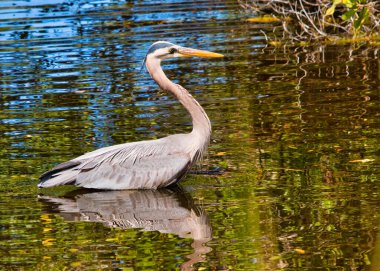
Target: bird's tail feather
64,173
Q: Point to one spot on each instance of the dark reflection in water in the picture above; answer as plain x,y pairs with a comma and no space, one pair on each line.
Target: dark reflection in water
169,211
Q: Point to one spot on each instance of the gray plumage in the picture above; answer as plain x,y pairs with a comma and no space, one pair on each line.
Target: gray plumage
147,164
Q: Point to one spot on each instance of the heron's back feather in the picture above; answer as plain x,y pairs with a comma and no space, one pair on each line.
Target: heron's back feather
138,165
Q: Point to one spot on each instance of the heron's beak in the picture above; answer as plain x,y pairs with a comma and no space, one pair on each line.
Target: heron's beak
199,53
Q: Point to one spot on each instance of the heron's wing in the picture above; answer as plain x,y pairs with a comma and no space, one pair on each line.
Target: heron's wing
139,165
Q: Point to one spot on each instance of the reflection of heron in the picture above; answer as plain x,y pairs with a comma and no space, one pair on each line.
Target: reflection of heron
144,164
164,210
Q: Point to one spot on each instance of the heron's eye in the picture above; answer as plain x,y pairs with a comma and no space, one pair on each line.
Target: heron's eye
172,50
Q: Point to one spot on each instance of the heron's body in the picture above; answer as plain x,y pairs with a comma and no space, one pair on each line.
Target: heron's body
147,164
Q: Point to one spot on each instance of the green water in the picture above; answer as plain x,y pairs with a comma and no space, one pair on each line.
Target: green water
295,130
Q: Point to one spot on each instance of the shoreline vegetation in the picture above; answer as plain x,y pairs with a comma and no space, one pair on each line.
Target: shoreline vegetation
305,21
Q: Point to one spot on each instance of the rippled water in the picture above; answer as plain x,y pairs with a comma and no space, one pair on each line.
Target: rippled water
295,129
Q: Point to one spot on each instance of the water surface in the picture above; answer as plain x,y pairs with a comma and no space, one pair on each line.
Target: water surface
295,129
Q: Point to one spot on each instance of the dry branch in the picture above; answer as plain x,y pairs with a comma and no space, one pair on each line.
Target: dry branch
306,19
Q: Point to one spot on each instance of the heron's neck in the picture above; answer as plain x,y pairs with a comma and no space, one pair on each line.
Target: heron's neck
201,122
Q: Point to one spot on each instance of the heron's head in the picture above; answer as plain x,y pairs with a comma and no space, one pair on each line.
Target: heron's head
163,50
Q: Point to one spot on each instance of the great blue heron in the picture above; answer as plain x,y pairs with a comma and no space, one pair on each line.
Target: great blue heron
147,164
